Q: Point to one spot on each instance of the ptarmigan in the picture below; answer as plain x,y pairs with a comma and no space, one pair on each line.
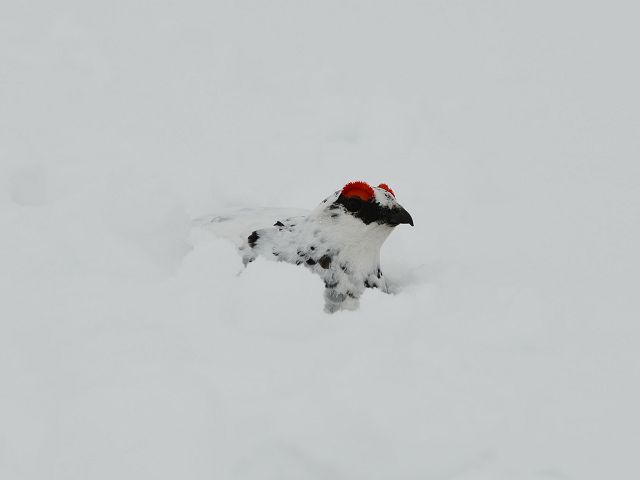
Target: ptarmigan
339,240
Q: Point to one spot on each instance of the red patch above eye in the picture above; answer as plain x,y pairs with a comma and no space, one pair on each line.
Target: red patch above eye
386,187
362,190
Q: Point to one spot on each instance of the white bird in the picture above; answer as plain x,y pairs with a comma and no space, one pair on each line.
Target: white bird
339,240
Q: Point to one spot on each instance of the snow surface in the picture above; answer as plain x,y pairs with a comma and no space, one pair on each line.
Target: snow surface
509,130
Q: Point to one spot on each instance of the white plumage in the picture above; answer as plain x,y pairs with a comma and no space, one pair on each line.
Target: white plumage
339,240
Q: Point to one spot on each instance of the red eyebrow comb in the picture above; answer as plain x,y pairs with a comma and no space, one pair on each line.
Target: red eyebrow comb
386,187
361,190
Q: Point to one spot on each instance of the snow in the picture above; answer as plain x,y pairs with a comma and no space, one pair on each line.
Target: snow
132,348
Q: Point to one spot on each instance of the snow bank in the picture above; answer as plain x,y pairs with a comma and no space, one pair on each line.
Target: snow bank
129,349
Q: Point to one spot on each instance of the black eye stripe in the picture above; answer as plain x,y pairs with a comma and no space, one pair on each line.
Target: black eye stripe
367,211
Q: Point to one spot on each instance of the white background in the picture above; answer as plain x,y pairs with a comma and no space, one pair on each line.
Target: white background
509,130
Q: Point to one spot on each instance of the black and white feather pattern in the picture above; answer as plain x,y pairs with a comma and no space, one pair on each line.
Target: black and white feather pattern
337,241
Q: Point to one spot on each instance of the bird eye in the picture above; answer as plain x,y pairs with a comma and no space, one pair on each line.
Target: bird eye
386,187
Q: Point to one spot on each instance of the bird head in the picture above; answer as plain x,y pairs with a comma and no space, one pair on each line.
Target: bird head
371,204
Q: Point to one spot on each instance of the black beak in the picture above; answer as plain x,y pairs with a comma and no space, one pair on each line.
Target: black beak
399,216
